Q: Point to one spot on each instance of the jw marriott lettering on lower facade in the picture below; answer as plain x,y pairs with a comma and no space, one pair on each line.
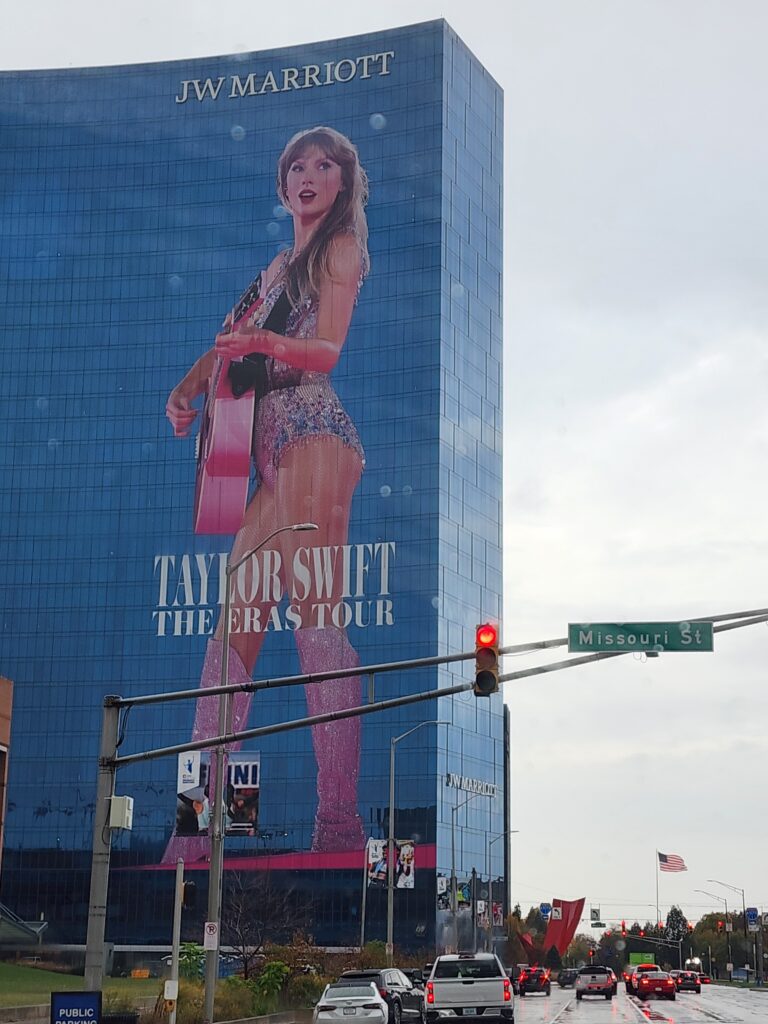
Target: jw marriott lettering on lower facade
471,785
330,72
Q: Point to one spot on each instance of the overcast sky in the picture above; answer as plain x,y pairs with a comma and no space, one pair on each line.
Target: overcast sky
636,379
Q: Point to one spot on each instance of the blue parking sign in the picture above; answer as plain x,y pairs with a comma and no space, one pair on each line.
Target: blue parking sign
75,1007
752,915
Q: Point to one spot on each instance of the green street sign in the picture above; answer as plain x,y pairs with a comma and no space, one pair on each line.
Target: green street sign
651,637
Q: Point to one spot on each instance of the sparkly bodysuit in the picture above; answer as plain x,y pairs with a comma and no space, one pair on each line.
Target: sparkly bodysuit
299,405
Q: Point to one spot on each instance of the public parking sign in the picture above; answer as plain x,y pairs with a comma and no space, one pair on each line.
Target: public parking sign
753,919
75,1007
545,909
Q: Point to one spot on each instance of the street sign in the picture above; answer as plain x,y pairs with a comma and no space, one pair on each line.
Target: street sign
752,915
211,935
621,637
597,924
594,913
729,926
545,909
557,913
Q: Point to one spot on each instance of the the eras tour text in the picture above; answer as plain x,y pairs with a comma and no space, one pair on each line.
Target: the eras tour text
342,585
308,76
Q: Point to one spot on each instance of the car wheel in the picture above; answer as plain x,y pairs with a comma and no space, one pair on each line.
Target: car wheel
608,995
578,996
522,992
672,997
548,989
698,991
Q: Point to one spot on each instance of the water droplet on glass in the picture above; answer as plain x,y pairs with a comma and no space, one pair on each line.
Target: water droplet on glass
175,282
377,122
279,211
457,290
273,229
148,447
53,444
435,601
407,490
237,132
385,491
41,403
42,255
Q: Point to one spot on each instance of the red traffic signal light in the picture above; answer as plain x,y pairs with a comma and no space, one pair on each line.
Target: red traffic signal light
591,953
642,932
486,660
623,928
719,927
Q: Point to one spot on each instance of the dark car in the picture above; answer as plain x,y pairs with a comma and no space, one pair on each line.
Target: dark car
404,999
534,979
687,981
567,977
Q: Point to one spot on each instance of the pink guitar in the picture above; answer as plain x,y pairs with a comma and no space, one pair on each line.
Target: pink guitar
223,443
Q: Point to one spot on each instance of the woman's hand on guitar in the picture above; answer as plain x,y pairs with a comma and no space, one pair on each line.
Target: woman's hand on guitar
244,340
179,411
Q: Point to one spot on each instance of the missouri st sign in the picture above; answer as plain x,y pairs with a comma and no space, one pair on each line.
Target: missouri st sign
650,637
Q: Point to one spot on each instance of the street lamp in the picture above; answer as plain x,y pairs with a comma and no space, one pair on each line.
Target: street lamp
727,933
735,888
500,835
391,840
454,908
216,868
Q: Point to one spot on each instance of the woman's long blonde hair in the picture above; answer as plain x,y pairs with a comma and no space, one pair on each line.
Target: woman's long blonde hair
310,267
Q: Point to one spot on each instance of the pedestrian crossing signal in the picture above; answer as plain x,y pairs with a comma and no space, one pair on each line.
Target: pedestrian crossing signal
486,660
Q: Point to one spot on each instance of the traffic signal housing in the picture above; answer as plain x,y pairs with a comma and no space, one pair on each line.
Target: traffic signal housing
623,929
486,660
719,927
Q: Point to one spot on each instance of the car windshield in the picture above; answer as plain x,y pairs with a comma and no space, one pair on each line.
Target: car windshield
350,991
467,969
594,970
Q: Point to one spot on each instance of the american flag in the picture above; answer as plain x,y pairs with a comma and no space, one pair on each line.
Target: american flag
671,862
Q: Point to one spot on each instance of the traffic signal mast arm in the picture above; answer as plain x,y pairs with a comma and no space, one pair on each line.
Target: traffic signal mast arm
127,702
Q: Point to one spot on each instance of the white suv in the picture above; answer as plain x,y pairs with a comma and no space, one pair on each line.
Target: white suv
594,981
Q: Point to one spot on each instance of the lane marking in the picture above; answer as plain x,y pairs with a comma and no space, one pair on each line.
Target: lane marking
562,1010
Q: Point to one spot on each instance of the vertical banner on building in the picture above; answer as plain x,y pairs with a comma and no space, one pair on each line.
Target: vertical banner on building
193,807
405,863
242,796
377,862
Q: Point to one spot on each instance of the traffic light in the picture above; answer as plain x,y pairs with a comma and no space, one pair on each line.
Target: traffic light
189,896
486,660
623,929
591,954
719,927
642,933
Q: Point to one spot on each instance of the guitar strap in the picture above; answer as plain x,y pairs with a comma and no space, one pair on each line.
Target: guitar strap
252,371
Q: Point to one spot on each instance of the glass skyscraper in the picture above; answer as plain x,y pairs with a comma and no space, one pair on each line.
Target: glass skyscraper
137,205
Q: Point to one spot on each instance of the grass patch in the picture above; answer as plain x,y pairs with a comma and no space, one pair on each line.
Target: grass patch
25,986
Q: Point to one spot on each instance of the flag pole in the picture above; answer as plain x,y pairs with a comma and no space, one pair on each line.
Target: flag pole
657,887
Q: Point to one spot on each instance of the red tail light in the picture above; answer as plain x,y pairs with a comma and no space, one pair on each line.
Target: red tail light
383,993
371,1006
546,975
507,991
523,976
430,992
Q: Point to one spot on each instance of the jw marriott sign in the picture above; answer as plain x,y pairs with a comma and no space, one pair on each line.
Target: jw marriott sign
470,785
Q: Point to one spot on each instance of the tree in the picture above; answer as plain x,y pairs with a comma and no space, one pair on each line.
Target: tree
577,953
255,911
677,924
191,960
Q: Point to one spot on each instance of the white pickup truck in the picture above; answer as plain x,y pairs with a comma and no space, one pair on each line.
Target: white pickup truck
469,986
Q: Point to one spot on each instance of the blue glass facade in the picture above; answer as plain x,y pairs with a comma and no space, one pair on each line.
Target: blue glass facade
136,204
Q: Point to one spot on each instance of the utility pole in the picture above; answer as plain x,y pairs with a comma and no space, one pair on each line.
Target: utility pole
102,846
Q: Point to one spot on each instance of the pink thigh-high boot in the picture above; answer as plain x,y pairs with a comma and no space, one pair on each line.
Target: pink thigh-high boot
338,825
192,848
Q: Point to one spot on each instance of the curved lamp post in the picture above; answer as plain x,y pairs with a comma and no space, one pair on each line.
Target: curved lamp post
216,870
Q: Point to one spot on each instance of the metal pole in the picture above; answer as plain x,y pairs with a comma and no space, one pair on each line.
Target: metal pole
728,940
454,924
216,794
102,847
177,901
216,872
391,857
364,900
474,910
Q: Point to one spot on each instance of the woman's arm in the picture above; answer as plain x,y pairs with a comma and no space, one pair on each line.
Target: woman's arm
178,408
336,303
